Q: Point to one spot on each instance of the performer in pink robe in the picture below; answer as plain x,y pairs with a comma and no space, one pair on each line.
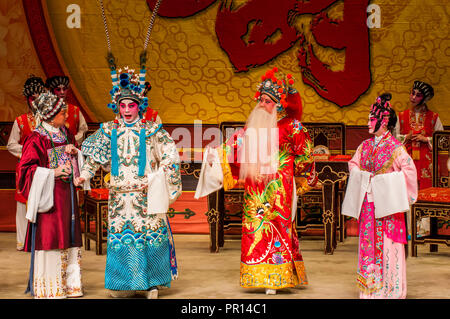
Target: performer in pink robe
46,180
381,188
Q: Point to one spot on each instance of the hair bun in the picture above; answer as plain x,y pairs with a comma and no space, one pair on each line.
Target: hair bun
386,97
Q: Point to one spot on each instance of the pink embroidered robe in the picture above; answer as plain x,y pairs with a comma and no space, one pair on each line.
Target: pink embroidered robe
381,254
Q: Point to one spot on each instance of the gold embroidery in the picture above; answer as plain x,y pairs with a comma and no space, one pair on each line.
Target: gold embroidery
273,275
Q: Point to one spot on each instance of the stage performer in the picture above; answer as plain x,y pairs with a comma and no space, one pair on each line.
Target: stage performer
22,127
145,179
46,171
76,123
265,156
415,130
381,187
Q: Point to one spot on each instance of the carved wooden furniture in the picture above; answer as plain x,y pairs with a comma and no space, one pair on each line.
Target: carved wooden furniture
225,207
434,202
95,208
330,136
331,174
218,216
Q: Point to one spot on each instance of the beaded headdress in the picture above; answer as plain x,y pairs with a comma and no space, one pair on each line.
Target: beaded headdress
48,105
128,85
33,85
56,81
425,89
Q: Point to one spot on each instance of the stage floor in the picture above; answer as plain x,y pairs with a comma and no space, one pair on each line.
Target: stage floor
203,275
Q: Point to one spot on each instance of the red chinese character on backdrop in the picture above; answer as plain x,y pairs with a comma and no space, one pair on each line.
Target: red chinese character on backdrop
259,30
350,34
256,32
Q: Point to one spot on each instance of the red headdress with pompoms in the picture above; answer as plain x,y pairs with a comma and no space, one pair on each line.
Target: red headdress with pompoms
279,88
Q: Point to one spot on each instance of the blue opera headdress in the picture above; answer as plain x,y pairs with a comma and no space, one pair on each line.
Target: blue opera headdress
128,85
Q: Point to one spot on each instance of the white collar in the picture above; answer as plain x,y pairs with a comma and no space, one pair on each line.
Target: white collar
50,127
130,124
378,138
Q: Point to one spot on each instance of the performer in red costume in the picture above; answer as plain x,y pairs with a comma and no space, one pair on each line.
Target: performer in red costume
415,130
272,149
59,85
22,127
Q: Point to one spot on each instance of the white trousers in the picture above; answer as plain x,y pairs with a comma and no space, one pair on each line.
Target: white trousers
57,273
21,225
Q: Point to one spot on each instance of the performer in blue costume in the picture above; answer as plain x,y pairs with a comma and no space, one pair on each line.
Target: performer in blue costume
145,179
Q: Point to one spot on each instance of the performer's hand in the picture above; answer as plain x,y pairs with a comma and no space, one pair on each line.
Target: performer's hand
407,137
210,159
71,149
79,181
419,138
63,170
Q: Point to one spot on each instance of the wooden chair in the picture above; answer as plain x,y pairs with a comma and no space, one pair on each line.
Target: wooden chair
331,137
434,202
95,208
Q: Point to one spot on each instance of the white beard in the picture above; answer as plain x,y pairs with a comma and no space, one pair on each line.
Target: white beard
259,153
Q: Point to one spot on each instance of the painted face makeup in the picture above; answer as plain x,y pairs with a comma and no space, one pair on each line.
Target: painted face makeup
267,103
60,91
129,110
372,123
415,97
31,98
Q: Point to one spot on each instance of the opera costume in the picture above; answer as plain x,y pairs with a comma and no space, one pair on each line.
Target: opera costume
381,187
420,120
45,179
22,127
75,122
145,179
270,253
415,130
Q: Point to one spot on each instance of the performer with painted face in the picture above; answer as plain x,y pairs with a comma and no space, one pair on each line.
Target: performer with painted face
272,148
22,127
381,187
415,130
59,85
45,179
145,180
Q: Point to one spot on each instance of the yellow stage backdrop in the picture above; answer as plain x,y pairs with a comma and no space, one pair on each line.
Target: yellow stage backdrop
192,76
17,59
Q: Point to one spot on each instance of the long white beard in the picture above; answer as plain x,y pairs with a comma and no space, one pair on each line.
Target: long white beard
259,153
